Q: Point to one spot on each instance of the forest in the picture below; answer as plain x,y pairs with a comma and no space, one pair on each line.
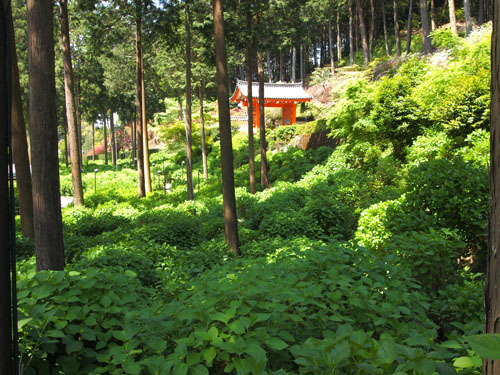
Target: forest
151,227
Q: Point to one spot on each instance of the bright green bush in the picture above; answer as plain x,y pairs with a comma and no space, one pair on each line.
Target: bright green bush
289,224
86,322
456,194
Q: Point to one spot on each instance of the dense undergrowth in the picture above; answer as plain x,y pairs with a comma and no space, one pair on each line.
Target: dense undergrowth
368,259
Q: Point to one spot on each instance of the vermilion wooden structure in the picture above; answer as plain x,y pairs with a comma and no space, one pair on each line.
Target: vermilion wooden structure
281,95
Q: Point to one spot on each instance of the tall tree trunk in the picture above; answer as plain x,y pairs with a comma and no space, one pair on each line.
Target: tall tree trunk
453,18
424,16
386,37
145,136
66,151
351,36
113,138
294,63
262,121
93,141
228,195
396,29
49,247
301,65
20,146
362,30
6,358
356,31
79,122
330,47
105,128
203,141
269,68
133,131
408,32
491,289
321,55
372,25
468,21
433,16
251,147
480,19
139,121
339,38
282,67
189,158
69,92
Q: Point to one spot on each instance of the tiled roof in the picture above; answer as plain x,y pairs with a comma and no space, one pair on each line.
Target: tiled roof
273,90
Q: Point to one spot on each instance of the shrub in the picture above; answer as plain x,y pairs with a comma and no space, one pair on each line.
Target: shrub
289,224
455,193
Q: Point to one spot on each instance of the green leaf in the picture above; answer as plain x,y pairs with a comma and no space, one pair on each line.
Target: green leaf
72,345
180,369
388,352
130,273
90,321
239,326
21,323
276,343
486,346
256,352
213,333
209,354
193,358
199,370
463,362
55,333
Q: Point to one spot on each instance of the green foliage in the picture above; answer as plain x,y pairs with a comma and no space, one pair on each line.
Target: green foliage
455,193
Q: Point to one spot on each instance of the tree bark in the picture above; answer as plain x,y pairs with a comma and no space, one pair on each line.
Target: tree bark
189,157
301,62
396,29
20,146
480,19
133,127
424,16
69,92
372,25
362,30
433,16
351,37
251,147
228,195
105,128
386,37
139,121
492,292
408,32
339,38
6,360
113,138
468,21
203,141
49,247
262,121
453,18
330,47
282,67
294,63
145,136
66,151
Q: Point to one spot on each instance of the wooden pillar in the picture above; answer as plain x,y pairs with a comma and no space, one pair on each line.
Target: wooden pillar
294,113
